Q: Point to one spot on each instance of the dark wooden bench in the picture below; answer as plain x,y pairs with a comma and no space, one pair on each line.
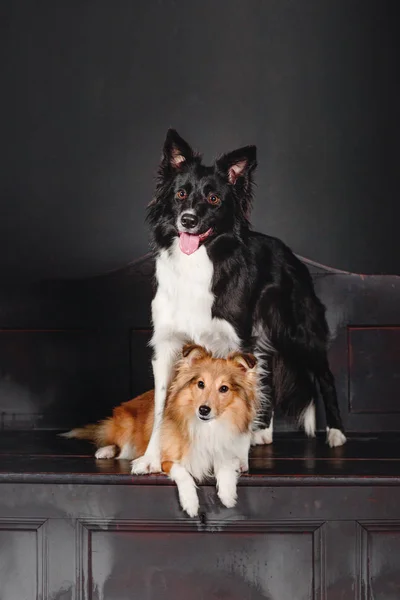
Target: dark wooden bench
311,522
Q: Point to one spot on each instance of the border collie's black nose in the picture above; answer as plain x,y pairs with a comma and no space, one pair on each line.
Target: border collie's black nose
204,410
189,221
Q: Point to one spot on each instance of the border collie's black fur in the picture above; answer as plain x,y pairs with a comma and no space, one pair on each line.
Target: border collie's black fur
259,286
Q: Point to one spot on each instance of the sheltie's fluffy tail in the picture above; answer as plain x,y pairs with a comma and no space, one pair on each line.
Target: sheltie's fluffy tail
131,423
100,433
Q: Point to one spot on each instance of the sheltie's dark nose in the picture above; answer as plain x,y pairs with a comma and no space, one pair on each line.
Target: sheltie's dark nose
204,410
189,220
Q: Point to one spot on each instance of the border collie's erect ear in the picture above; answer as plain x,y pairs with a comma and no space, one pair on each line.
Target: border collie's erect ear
239,163
176,151
192,352
176,154
236,168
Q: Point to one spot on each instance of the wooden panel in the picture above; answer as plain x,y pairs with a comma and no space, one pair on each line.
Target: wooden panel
131,560
23,560
374,369
339,559
366,364
379,552
46,377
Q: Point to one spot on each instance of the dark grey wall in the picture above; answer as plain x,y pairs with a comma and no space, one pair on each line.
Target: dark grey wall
88,89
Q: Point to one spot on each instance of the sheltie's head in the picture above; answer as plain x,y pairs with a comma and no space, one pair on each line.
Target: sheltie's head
206,389
197,203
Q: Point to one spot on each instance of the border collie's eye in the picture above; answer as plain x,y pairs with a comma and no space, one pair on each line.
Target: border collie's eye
200,384
181,195
213,199
223,389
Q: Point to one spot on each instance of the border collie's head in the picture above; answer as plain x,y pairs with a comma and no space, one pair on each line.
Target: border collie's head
198,203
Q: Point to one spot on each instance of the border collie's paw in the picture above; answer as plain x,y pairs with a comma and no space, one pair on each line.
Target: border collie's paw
147,463
106,452
335,437
262,436
189,501
228,497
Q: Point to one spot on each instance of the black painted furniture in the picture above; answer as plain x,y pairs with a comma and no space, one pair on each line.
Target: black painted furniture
310,522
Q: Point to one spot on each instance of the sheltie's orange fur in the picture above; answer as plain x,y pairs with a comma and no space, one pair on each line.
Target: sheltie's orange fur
228,389
129,428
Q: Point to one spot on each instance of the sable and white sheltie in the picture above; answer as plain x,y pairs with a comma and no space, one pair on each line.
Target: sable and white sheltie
227,288
206,428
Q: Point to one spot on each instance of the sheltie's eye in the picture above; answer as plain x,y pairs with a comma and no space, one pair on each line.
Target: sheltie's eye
213,199
200,384
181,195
223,389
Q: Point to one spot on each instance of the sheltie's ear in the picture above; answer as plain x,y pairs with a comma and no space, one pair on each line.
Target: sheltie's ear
246,362
176,151
192,352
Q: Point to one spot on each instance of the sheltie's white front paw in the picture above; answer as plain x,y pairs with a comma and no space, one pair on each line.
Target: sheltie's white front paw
335,437
228,496
189,501
227,485
148,463
188,498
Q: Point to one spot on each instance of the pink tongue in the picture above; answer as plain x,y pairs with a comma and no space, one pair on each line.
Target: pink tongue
188,242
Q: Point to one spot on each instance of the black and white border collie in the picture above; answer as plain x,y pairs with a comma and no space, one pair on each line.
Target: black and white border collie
223,286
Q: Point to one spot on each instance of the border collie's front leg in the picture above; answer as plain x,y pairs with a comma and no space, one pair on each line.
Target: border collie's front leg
163,363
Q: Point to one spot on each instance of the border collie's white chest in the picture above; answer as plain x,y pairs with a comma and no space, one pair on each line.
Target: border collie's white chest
182,305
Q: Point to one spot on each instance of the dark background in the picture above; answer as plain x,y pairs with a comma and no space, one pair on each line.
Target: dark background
88,89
